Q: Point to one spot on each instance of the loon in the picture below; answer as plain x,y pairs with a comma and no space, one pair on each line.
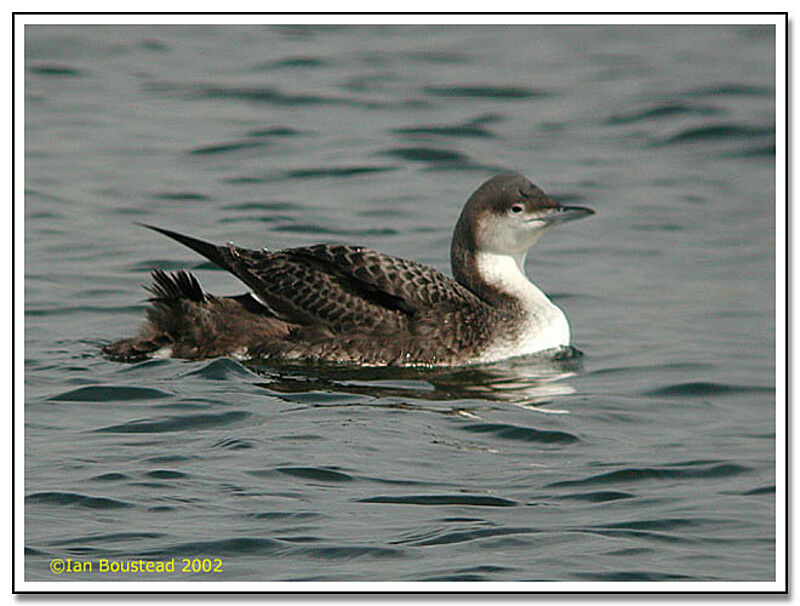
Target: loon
352,305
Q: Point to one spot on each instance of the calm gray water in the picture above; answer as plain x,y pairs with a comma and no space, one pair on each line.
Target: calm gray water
651,457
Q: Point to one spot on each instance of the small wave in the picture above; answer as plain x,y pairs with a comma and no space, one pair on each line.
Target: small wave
470,130
180,196
53,69
657,227
661,525
761,490
524,434
178,423
350,552
403,482
706,388
428,154
234,444
168,459
166,474
319,474
638,474
110,393
257,219
297,62
336,172
222,548
667,110
632,575
437,499
315,473
154,45
274,131
246,180
221,369
263,206
761,151
114,537
110,477
225,148
716,132
631,551
264,94
677,366
732,90
274,96
436,158
34,552
282,515
599,496
80,500
485,572
487,92
439,57
463,536
456,577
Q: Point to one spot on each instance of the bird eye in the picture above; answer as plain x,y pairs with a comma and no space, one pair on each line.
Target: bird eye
517,208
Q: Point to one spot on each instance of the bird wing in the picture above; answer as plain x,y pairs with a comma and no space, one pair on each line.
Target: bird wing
339,286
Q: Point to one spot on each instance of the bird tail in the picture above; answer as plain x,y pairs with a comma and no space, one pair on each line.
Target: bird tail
212,252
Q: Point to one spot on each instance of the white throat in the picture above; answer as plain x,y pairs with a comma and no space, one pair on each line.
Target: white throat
507,273
543,325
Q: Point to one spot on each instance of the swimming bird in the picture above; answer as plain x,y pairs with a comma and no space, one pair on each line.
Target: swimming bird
352,305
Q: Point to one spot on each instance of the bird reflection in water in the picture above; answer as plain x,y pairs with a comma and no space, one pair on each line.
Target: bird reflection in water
532,382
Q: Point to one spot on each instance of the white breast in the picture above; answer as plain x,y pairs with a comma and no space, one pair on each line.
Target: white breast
543,325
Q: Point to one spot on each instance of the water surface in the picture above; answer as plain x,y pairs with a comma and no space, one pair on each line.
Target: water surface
650,457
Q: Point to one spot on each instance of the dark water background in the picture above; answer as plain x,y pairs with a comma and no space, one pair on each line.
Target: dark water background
651,458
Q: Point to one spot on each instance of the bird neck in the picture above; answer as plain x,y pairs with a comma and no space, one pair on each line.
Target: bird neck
498,279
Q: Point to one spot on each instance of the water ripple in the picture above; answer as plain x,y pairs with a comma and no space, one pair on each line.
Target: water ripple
222,369
472,129
600,496
638,474
336,172
80,500
274,131
166,474
348,552
632,575
658,111
463,536
295,62
114,537
524,434
222,548
715,132
487,91
428,154
234,444
319,474
53,69
272,96
110,477
180,196
226,148
458,499
177,423
110,393
706,388
732,89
